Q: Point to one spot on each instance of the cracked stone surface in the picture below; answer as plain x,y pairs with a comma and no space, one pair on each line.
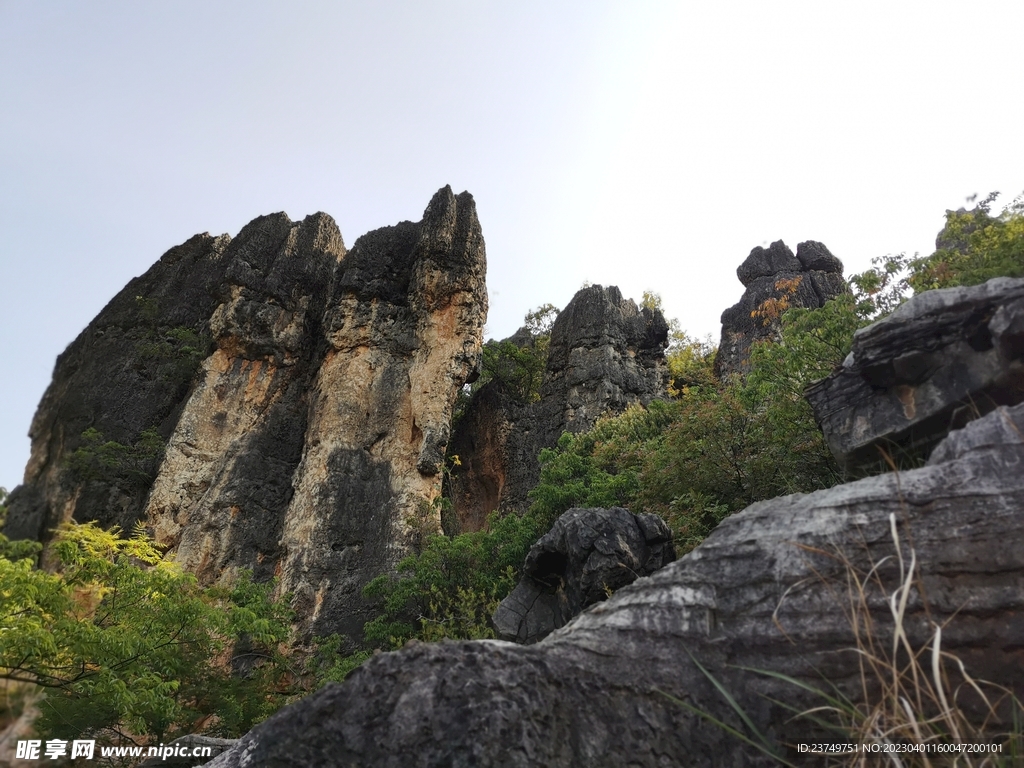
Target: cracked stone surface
941,359
585,557
305,439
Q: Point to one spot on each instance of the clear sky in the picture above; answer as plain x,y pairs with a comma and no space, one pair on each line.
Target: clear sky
642,144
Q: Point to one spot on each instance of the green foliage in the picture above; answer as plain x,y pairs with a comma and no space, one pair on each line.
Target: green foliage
130,647
601,467
690,363
716,447
883,287
519,364
977,246
108,461
163,352
519,369
541,320
447,591
327,664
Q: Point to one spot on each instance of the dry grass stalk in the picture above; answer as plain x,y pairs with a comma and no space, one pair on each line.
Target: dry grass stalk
907,693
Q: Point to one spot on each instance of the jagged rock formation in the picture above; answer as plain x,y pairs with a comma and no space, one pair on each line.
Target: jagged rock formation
605,353
587,555
783,280
764,591
934,364
307,442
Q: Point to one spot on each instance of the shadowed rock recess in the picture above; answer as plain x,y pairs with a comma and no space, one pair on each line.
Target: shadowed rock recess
305,430
763,591
587,554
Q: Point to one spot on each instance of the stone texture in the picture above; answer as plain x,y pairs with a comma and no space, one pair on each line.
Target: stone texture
110,379
605,354
764,591
939,360
306,444
808,279
587,555
399,349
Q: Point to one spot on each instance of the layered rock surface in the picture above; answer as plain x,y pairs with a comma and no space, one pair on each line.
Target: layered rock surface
938,361
305,442
774,280
767,590
605,353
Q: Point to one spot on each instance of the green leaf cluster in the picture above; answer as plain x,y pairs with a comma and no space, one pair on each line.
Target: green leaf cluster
109,461
975,246
131,648
164,352
451,588
716,447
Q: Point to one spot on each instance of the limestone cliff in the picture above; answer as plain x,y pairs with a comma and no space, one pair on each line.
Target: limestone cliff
605,353
305,440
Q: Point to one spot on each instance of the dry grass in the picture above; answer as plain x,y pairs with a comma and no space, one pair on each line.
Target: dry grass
919,695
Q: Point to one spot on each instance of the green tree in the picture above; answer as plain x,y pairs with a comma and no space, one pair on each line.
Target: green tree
129,647
975,246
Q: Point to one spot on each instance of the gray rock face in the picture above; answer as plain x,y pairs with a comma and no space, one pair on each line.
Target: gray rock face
764,591
304,438
587,555
938,361
808,279
605,353
121,376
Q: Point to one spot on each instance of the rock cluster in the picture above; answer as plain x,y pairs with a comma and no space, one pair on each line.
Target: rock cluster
305,440
587,555
768,590
765,591
605,353
934,364
774,279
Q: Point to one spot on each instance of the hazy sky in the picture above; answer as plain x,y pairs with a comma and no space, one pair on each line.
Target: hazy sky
647,145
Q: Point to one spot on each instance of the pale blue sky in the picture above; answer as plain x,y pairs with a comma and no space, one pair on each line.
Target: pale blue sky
648,145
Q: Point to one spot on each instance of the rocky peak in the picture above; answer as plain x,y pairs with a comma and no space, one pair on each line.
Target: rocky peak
774,275
605,353
304,434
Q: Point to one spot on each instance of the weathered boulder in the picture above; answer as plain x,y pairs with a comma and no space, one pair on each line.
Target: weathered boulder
587,555
605,353
304,433
767,590
941,359
775,280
